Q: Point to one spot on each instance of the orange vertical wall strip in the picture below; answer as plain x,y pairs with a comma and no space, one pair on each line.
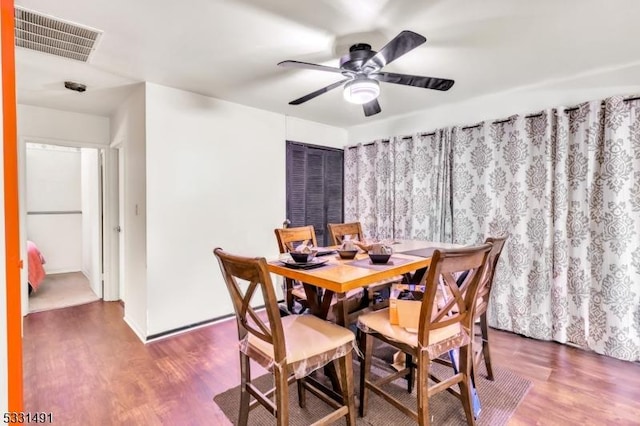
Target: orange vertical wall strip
11,214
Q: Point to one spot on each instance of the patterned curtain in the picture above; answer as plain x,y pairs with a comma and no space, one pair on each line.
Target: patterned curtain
565,187
401,188
368,189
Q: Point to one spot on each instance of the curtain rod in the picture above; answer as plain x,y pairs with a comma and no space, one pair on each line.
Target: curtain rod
540,114
603,103
388,140
495,122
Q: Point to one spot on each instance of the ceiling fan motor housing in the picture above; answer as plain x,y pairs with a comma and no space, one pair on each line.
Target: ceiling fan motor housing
357,56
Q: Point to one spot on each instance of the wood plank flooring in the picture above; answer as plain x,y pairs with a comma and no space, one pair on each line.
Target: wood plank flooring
87,367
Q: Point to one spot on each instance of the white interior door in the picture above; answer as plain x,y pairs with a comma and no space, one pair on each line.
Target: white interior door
24,275
110,224
92,218
120,229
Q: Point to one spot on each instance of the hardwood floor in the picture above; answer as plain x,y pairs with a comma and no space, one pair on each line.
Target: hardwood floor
87,367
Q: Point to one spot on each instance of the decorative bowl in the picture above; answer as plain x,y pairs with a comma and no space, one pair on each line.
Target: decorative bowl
379,258
301,257
347,254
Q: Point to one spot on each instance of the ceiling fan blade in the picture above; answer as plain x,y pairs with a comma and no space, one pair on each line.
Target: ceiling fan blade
309,66
371,108
318,92
401,44
413,80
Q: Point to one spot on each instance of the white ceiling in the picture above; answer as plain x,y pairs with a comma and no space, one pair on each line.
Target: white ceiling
229,49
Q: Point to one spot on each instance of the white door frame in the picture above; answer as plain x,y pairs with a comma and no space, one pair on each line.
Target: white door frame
109,222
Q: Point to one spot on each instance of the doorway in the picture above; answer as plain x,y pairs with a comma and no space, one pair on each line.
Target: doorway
63,194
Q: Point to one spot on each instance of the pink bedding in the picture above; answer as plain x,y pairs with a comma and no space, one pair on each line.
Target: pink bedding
35,261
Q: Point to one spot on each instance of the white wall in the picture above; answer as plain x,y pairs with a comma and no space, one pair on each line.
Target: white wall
90,192
596,84
215,177
51,125
53,184
128,129
299,130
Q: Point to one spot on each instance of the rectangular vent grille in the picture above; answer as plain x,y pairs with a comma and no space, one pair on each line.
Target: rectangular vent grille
53,36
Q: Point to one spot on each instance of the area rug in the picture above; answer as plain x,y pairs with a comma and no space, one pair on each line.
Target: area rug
61,291
499,400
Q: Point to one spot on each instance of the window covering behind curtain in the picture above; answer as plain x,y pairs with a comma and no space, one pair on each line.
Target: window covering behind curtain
565,187
314,187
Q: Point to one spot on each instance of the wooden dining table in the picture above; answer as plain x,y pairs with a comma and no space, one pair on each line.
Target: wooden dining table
339,276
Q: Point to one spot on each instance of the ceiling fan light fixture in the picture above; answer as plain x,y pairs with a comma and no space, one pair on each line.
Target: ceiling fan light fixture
361,90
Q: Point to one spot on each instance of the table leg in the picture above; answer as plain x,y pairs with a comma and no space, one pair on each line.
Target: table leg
418,276
342,313
319,301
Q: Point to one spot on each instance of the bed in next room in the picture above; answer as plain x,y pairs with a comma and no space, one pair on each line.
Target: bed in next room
36,269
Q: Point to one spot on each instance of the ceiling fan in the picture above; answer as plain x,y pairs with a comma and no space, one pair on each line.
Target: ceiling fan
361,69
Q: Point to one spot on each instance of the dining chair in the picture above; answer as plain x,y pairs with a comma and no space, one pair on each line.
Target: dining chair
288,239
442,327
482,304
290,347
338,232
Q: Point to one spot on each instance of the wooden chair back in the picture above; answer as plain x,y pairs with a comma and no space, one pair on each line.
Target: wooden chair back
290,238
487,280
337,232
244,277
445,267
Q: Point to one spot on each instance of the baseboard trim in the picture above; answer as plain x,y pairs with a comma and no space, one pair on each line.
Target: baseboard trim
186,328
135,329
64,271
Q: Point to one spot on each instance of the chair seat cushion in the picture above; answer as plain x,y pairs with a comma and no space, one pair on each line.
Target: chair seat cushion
440,339
310,344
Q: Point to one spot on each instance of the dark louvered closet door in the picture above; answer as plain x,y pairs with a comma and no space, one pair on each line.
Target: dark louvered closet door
314,187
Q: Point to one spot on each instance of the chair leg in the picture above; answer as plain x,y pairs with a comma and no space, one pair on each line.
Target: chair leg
466,363
422,384
366,346
486,353
287,289
245,396
302,394
282,397
412,372
346,378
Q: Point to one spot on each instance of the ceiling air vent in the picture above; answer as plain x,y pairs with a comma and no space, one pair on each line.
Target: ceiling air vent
54,36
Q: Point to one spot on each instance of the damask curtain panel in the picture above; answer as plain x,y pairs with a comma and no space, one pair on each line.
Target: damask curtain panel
431,197
565,187
408,179
368,188
503,186
613,251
